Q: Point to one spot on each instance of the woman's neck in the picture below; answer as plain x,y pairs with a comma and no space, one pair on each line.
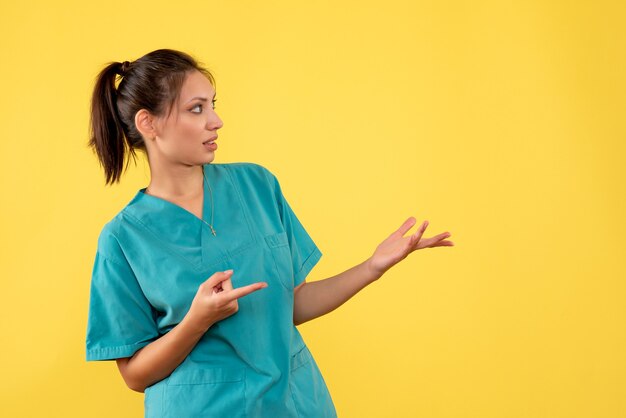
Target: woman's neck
176,182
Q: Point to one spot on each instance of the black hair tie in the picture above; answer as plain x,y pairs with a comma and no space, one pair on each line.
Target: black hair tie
125,66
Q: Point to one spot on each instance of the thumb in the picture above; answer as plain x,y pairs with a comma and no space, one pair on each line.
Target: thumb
218,277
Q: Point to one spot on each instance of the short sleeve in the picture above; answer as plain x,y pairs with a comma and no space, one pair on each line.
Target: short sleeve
304,252
120,319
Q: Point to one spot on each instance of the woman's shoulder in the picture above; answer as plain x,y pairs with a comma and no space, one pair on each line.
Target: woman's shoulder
108,239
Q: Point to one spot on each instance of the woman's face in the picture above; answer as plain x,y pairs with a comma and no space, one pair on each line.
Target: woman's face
182,137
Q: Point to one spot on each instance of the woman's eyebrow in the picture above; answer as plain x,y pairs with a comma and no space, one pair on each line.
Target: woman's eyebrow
204,99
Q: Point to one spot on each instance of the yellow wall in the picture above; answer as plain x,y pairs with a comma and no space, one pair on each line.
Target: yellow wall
502,123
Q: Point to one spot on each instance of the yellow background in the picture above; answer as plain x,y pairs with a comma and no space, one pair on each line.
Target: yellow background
501,122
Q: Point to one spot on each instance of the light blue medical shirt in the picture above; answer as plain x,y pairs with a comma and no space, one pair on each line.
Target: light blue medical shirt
151,259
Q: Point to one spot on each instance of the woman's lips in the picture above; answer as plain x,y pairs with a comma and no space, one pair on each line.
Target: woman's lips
210,145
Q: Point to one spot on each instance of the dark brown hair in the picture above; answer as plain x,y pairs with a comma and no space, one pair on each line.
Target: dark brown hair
152,82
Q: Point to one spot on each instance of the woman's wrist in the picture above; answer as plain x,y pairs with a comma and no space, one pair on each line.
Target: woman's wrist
372,273
194,326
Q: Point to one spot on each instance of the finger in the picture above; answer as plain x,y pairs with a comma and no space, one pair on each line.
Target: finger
218,288
439,237
417,235
443,235
228,283
245,290
431,242
406,225
218,277
223,286
443,244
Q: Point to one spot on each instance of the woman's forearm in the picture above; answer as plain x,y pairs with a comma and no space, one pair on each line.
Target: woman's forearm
317,298
158,359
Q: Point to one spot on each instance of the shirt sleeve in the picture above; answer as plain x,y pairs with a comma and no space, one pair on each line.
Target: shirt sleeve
120,319
304,252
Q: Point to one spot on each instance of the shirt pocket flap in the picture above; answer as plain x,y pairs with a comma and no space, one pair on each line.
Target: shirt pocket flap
277,240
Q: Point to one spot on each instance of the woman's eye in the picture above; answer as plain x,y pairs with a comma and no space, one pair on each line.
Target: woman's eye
200,106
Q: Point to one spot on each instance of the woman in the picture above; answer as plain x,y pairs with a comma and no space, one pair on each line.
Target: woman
199,281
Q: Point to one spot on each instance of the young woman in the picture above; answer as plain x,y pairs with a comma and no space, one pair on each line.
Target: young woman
199,281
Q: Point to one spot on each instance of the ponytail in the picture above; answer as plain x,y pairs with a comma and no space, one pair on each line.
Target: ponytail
107,133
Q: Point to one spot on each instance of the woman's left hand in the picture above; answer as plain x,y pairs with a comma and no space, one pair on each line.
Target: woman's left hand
397,247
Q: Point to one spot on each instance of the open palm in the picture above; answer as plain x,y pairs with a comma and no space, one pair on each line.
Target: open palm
397,247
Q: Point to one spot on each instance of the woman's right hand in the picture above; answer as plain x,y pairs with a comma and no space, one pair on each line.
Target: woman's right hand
216,299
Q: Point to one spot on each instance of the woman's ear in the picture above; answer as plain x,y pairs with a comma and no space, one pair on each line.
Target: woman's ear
145,123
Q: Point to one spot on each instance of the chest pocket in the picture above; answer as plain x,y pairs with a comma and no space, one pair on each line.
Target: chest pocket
281,254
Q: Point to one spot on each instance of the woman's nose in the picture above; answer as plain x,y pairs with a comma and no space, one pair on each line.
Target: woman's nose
214,122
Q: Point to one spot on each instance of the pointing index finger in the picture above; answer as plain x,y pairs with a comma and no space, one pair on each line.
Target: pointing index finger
244,290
